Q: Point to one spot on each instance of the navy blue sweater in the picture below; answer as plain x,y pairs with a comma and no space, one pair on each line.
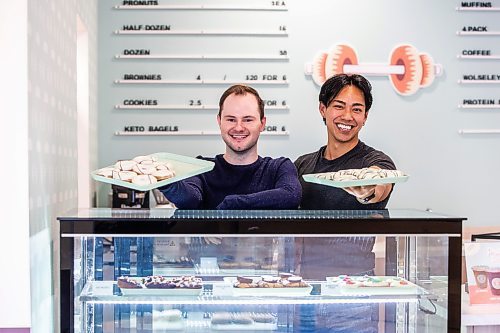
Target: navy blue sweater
265,184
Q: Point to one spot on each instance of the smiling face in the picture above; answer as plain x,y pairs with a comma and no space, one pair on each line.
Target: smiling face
345,116
240,125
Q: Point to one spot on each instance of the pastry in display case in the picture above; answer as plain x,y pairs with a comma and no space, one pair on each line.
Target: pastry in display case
126,270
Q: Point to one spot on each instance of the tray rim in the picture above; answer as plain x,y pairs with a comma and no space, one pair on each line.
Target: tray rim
311,178
204,165
161,291
276,292
410,289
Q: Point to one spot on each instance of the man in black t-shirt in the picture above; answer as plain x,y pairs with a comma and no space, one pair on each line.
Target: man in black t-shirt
344,102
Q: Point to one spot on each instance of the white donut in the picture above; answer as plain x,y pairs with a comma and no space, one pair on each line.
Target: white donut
144,169
164,166
125,165
124,175
394,173
144,180
372,175
163,174
147,162
106,172
145,159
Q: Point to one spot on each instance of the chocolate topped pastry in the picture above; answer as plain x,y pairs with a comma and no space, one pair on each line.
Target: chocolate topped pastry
242,279
128,283
285,276
161,282
295,278
270,279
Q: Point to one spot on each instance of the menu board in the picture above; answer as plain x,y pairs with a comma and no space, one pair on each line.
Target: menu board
170,58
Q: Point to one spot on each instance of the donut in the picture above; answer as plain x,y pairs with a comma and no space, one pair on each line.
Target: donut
124,175
125,165
339,56
428,74
106,172
356,174
163,174
144,180
318,70
371,175
408,83
163,165
145,159
143,169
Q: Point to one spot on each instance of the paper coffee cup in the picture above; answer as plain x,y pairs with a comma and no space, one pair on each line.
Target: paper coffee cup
481,276
494,280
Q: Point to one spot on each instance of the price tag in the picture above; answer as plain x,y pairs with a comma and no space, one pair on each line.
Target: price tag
329,289
102,288
222,289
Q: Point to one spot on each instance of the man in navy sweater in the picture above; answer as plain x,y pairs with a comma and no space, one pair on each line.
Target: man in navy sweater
240,179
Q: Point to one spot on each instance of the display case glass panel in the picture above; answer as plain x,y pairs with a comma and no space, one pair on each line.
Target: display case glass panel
259,271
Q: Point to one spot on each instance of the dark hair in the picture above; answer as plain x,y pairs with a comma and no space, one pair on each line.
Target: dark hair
332,87
240,89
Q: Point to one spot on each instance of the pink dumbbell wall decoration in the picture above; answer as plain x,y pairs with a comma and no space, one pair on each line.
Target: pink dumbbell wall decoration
408,69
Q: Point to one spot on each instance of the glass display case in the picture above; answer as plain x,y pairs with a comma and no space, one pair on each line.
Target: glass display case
161,270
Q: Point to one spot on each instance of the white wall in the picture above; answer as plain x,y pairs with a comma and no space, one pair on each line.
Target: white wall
14,226
52,125
449,172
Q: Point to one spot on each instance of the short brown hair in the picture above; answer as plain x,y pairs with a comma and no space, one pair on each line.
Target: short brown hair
240,89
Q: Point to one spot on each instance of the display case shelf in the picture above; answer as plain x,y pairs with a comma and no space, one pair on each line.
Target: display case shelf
112,295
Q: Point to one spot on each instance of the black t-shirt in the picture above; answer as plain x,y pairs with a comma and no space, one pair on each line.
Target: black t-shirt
321,257
316,196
